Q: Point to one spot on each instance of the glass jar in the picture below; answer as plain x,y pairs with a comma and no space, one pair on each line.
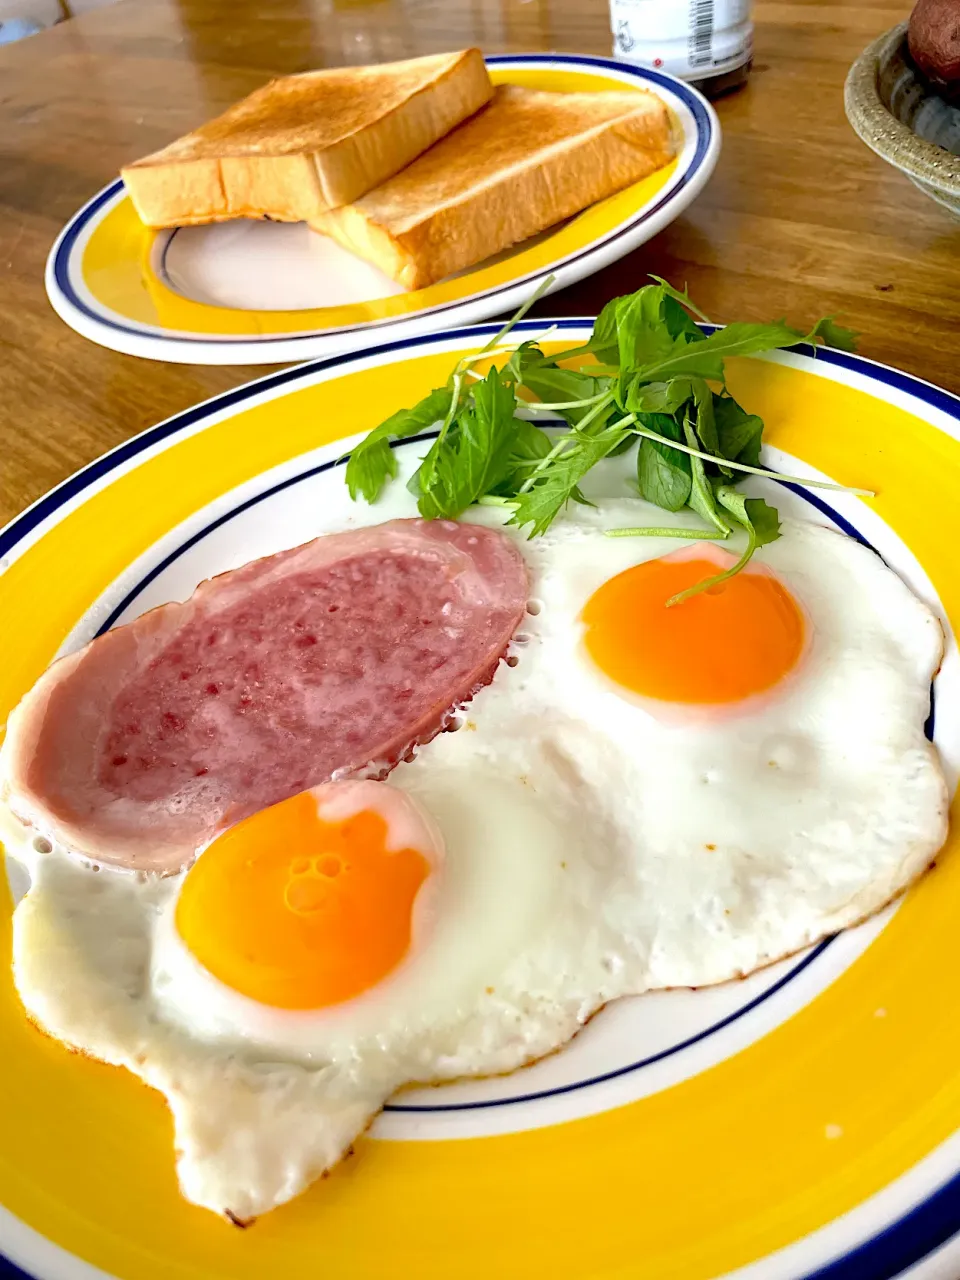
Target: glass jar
706,42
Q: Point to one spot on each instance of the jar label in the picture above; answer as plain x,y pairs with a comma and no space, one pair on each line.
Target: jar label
692,39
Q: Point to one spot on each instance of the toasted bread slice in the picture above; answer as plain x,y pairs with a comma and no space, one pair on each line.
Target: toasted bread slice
307,143
526,162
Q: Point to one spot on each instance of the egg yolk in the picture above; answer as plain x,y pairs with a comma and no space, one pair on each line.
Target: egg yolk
730,642
298,912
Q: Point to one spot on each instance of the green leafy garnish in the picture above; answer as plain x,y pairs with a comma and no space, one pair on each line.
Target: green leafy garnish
540,504
663,473
648,378
372,462
834,335
701,491
762,525
474,457
738,433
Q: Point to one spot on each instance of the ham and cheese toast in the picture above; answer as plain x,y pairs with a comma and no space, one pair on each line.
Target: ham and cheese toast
309,142
287,672
524,163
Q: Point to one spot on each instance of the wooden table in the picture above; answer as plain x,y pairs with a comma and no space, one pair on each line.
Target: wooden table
799,218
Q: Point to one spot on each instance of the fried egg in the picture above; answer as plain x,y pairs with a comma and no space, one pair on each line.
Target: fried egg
316,957
645,796
754,755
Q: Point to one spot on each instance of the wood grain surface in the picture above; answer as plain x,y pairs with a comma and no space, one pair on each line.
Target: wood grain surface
799,218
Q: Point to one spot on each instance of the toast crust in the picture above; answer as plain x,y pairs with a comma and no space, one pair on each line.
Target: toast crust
303,144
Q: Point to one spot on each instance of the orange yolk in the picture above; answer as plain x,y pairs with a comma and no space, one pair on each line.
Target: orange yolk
728,643
297,912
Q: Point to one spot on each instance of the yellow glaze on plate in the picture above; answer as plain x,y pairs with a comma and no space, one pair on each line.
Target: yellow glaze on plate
116,263
686,1184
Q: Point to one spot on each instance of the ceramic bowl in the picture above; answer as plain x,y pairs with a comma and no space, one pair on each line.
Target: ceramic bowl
902,119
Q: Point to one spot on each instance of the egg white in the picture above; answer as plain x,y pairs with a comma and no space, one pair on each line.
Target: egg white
750,834
265,1100
594,850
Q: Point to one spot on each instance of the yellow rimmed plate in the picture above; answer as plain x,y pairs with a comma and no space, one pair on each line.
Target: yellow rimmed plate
264,293
799,1124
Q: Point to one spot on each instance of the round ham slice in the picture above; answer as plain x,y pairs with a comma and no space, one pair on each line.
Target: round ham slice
311,664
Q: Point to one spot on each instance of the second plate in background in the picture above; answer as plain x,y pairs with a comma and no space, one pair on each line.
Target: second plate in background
258,292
